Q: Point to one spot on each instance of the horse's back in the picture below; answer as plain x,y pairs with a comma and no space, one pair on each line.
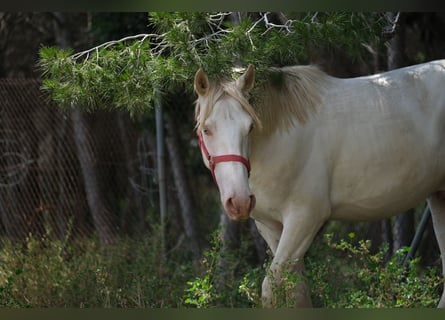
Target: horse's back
386,140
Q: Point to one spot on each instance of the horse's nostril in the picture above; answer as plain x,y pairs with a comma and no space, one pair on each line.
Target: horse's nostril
230,203
231,206
252,202
239,210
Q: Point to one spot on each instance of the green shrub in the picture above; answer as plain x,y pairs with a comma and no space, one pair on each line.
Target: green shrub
345,274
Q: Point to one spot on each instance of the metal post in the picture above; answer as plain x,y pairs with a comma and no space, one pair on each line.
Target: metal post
161,169
418,236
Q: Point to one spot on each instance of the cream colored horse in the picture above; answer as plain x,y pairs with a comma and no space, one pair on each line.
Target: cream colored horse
324,148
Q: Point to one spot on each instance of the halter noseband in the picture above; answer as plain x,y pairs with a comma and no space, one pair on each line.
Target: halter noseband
213,160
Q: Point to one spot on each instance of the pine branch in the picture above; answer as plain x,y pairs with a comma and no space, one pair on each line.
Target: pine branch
112,43
126,73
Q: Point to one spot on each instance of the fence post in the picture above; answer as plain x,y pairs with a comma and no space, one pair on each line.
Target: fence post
418,236
160,152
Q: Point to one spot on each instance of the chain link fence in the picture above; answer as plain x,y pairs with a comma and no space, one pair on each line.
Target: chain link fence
71,174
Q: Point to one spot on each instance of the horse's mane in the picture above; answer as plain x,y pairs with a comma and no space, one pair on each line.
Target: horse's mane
288,96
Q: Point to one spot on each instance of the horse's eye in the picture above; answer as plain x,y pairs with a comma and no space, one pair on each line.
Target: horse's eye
206,131
251,127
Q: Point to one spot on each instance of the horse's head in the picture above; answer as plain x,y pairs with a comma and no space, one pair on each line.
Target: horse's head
224,122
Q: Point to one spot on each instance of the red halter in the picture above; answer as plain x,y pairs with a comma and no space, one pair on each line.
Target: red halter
213,160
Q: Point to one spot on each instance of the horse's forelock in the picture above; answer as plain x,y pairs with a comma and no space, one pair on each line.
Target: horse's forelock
204,105
232,90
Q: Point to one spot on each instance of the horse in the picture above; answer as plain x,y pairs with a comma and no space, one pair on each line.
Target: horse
310,148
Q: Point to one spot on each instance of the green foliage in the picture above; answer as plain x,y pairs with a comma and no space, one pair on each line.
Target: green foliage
105,80
131,73
250,285
226,281
53,273
131,273
202,291
345,274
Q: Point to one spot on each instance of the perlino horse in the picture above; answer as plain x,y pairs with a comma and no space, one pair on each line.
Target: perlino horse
321,148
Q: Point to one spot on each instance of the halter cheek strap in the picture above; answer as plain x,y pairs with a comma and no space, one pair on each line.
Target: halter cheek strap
213,160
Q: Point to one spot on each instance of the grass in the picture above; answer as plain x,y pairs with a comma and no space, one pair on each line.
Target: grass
131,274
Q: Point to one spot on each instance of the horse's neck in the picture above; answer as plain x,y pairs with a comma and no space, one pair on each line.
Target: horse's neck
274,149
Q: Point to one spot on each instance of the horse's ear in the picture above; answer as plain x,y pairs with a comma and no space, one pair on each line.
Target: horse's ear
201,83
246,81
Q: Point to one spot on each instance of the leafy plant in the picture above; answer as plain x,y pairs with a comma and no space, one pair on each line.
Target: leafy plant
201,292
227,280
351,276
250,286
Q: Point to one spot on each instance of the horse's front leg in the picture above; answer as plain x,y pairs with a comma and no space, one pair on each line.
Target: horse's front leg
286,281
285,286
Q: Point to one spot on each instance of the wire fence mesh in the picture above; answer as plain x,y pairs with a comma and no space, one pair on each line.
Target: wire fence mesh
48,158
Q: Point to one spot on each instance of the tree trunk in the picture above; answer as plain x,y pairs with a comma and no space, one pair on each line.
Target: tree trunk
132,215
231,235
101,216
186,202
386,235
396,56
403,230
260,243
230,240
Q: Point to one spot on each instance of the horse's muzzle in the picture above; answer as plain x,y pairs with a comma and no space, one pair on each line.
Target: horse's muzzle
239,208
